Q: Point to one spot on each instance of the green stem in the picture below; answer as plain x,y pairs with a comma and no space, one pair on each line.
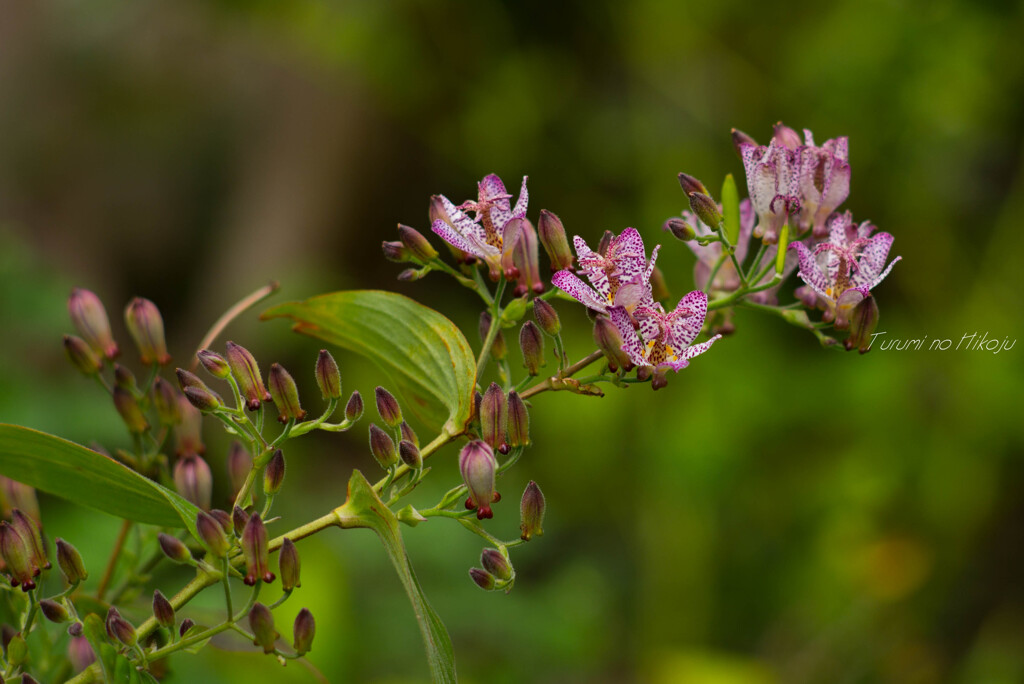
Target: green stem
493,330
553,383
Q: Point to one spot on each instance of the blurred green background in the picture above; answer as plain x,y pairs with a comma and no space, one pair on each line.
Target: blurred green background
780,513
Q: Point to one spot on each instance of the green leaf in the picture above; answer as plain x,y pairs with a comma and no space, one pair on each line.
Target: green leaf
96,634
363,508
731,210
425,357
81,475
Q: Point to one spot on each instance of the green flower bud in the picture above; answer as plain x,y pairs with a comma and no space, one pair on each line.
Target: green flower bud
690,184
82,356
215,364
493,416
705,208
14,494
496,564
247,374
29,530
498,348
165,400
354,407
70,562
53,611
163,611
194,481
680,229
255,549
239,465
382,447
552,237
120,629
328,377
273,475
547,317
174,548
609,340
532,344
261,622
17,650
124,378
388,408
90,320
289,565
518,421
197,393
482,578
409,435
410,516
303,631
863,323
146,327
409,454
416,244
531,512
212,535
396,252
285,394
224,518
130,412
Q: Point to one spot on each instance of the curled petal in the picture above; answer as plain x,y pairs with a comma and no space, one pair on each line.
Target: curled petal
569,283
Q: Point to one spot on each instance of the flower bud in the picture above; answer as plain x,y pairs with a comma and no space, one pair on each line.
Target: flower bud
411,274
382,447
862,325
285,394
215,364
165,400
328,377
197,393
354,407
53,611
119,628
496,564
90,320
174,548
410,516
410,454
17,650
518,421
531,512
416,244
130,412
609,340
147,329
29,531
82,356
239,465
194,481
289,564
482,578
303,631
605,243
547,317
690,184
395,252
659,380
477,465
786,136
705,208
224,519
261,622
70,562
273,476
526,262
188,433
75,629
185,626
238,520
644,373
388,408
247,374
739,139
256,551
493,416
212,535
409,435
14,494
80,652
552,237
680,229
124,378
163,611
498,348
532,345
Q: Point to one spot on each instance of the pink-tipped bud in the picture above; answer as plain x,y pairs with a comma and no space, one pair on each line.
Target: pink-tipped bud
531,512
395,251
194,481
680,229
408,434
328,377
174,548
547,317
212,535
239,518
382,447
131,414
552,237
477,465
862,325
705,208
82,356
609,340
224,518
518,421
261,621
289,565
165,400
146,327
70,562
188,433
285,394
416,244
409,454
119,628
80,652
496,564
741,139
303,631
354,407
532,344
786,136
163,611
255,549
90,320
197,393
247,374
388,408
239,465
690,184
29,529
499,350
493,416
273,475
215,364
482,578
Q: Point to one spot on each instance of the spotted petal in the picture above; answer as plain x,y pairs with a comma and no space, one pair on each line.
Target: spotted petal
470,245
698,349
630,342
872,259
570,284
810,272
685,330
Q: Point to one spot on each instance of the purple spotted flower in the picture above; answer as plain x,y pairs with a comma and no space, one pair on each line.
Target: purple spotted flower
664,340
824,177
843,270
492,233
773,183
621,276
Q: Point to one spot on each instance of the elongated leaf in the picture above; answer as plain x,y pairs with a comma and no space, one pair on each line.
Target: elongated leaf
731,209
425,357
81,475
365,509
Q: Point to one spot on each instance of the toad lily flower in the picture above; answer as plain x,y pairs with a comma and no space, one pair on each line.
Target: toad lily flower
853,265
492,233
665,339
621,276
773,183
824,178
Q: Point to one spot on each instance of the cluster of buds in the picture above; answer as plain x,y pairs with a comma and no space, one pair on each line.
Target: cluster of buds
497,572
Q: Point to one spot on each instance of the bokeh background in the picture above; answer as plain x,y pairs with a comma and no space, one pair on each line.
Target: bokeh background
780,513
